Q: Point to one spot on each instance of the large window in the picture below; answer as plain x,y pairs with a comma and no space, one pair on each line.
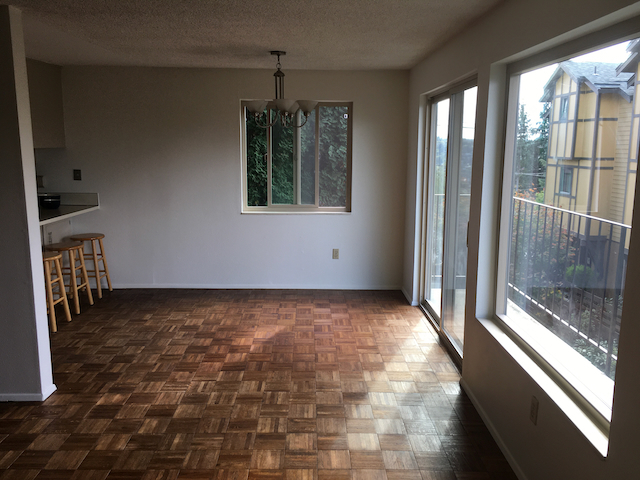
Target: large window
447,194
570,171
305,169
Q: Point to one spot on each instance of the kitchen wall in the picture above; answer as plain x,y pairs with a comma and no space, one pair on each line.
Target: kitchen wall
45,97
501,382
162,148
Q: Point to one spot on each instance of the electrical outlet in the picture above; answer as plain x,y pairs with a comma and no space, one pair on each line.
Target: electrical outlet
336,254
533,411
77,174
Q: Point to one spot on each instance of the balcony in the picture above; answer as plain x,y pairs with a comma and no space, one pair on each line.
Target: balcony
566,271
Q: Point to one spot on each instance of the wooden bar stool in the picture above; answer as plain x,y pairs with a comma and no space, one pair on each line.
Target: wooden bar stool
75,251
53,277
95,256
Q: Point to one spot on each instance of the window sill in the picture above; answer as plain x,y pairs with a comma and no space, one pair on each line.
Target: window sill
574,412
572,369
294,211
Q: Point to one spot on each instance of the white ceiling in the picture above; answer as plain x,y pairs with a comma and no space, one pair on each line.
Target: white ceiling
316,34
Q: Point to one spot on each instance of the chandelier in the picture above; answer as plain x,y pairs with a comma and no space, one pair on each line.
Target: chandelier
286,110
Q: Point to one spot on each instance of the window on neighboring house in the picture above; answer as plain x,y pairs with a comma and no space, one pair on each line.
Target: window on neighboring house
564,108
447,188
307,169
566,180
562,267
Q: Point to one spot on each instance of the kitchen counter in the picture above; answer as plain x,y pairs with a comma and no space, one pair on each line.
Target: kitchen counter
71,204
64,212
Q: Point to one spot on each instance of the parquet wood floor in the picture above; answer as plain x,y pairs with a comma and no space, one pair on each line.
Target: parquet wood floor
215,384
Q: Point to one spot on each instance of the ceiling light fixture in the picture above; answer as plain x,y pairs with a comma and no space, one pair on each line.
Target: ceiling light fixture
288,111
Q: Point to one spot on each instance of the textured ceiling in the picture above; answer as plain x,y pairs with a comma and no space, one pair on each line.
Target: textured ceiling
316,34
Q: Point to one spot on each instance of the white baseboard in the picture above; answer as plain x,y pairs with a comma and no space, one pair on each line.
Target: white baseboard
494,433
256,287
409,297
28,397
48,391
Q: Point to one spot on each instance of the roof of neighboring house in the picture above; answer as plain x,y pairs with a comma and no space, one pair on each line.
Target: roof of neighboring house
600,77
629,65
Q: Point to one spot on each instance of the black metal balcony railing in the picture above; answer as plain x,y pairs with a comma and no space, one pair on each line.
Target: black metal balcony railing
567,271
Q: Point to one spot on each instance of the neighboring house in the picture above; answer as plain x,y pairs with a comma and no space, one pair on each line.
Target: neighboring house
570,254
591,164
592,156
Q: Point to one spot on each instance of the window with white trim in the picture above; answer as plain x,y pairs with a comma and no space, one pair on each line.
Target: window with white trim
306,169
565,231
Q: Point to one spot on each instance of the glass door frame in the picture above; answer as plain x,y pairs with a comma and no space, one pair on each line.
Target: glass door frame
454,143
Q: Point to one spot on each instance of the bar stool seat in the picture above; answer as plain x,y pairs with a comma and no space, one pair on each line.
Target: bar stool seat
75,251
95,255
53,277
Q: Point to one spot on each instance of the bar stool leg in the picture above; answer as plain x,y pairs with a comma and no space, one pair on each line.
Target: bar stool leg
63,292
50,305
85,277
96,268
73,287
104,263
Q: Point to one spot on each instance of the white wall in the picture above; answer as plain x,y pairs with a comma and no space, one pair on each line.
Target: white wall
162,149
501,388
45,95
25,358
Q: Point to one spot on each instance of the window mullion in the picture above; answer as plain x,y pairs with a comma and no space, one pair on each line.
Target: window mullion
269,165
507,187
429,182
349,157
317,154
297,152
451,201
424,238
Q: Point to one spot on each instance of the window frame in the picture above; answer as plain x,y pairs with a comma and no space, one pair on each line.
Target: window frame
564,108
562,187
275,208
587,403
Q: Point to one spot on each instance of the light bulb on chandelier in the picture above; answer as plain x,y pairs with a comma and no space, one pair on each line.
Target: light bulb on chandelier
286,109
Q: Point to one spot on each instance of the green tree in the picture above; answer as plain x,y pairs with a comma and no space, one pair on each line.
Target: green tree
541,144
256,163
332,145
332,149
308,161
526,170
282,170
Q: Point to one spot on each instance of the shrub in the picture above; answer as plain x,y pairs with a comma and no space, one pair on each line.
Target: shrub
582,278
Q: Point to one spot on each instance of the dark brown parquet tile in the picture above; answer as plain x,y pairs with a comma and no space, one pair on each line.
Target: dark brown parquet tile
334,460
371,459
238,385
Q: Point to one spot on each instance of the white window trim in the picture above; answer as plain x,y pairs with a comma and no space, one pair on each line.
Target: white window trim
271,208
591,383
536,341
552,387
581,405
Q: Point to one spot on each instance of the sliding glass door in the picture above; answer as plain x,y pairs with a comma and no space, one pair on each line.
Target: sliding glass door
447,195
